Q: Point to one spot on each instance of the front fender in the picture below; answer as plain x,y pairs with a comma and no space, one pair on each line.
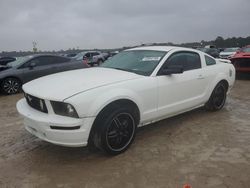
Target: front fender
111,96
89,104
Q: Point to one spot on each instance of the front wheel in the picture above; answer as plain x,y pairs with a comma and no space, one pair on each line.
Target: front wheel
218,98
116,131
10,86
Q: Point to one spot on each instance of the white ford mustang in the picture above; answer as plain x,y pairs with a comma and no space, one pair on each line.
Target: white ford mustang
103,106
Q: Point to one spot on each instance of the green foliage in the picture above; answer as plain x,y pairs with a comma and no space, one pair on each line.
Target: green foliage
220,42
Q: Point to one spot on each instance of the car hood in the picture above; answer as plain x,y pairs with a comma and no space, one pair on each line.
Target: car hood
63,85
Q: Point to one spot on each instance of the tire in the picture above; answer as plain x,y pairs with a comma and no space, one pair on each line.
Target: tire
217,98
11,86
115,130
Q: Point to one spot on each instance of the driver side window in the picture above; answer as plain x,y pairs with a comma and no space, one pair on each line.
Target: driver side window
27,64
188,60
40,61
88,55
35,61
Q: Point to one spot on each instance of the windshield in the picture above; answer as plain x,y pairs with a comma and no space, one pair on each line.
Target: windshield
141,62
79,56
230,50
19,61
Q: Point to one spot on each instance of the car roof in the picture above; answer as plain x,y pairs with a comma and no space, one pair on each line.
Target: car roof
163,48
38,55
42,55
157,48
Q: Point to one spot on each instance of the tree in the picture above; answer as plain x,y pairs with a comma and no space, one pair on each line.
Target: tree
219,42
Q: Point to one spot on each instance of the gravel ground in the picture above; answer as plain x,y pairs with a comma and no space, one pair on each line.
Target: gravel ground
204,149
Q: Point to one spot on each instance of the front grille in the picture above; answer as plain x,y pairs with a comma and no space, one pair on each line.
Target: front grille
36,103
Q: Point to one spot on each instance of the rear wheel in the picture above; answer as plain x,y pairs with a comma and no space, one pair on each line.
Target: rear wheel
115,130
218,98
10,86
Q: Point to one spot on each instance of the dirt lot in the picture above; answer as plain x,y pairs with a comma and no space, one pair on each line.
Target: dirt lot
201,148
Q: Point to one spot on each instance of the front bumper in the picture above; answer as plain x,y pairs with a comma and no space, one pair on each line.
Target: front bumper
39,124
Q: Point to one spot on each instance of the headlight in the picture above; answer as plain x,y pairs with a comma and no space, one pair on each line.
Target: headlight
64,109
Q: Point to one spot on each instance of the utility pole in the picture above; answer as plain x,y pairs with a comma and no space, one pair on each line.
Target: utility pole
34,43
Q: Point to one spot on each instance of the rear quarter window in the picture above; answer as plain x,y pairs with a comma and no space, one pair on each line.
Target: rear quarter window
189,60
57,60
209,60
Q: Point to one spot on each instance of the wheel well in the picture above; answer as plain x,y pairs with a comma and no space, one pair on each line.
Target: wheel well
225,82
11,77
112,105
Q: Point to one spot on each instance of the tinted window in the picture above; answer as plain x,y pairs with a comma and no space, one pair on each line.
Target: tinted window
87,55
209,60
189,60
60,60
40,61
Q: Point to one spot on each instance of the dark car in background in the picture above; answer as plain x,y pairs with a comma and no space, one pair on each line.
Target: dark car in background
214,52
5,60
241,60
28,68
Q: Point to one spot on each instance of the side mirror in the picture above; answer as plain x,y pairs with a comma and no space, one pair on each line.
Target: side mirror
173,69
32,65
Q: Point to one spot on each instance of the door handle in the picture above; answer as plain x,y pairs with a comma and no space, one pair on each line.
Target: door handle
200,77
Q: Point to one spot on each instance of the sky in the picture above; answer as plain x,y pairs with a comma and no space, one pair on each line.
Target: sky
64,24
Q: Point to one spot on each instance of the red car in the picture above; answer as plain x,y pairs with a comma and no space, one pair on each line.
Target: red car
241,60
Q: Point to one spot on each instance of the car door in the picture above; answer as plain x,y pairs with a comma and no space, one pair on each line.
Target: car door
95,57
37,67
180,92
61,64
89,57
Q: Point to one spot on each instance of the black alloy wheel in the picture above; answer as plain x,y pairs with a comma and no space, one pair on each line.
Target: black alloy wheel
114,130
218,98
120,131
10,86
